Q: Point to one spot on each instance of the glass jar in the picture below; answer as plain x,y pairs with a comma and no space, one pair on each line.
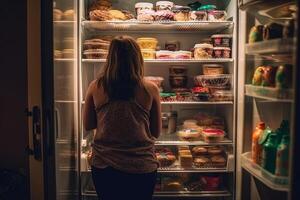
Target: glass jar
164,5
203,51
181,13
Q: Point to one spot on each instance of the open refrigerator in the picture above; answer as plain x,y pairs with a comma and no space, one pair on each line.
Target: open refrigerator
214,168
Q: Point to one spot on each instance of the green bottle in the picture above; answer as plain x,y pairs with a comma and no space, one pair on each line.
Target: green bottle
269,153
282,157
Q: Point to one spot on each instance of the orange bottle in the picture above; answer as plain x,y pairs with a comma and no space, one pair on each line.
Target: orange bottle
256,147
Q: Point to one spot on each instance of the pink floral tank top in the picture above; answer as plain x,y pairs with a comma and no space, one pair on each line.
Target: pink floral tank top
123,139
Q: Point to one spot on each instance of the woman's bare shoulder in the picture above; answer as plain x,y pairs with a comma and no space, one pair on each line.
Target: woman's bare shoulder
151,87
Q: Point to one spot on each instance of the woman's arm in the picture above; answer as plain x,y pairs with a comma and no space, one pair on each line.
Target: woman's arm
89,112
155,112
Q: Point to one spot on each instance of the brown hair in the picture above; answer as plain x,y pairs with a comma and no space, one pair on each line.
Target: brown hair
123,70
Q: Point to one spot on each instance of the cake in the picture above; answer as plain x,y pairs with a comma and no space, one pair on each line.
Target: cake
198,150
201,161
218,161
215,150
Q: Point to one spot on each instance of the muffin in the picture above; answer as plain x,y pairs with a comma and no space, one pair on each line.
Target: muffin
201,161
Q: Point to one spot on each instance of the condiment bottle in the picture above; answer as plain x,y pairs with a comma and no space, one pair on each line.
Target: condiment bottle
256,147
282,157
269,153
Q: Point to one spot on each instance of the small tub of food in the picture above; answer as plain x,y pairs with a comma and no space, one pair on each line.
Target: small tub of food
221,40
167,97
198,15
146,15
213,69
203,51
143,6
148,53
213,135
178,81
189,134
147,43
201,94
96,44
157,80
164,54
164,15
222,95
221,81
178,70
164,5
217,15
222,52
95,54
173,45
181,13
182,55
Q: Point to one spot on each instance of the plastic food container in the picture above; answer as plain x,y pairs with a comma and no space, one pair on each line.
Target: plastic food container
143,6
164,54
203,51
181,13
146,15
207,7
172,45
222,52
167,97
147,43
178,81
164,5
95,54
217,15
201,94
182,55
213,69
178,70
148,53
221,81
213,135
198,15
189,134
96,44
221,40
164,15
157,80
222,95
182,96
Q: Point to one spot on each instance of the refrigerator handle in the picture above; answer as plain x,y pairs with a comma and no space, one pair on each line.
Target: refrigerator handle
56,123
36,133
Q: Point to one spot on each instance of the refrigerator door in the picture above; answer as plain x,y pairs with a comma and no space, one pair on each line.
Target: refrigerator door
267,93
53,103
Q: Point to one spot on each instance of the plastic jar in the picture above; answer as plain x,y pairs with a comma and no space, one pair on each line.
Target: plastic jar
164,5
216,15
198,15
203,51
148,53
222,52
147,43
181,13
143,6
221,40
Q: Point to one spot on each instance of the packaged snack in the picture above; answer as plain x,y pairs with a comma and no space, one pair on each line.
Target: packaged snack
222,52
164,5
143,6
147,43
198,15
217,15
203,51
96,44
172,45
181,13
221,40
213,69
148,53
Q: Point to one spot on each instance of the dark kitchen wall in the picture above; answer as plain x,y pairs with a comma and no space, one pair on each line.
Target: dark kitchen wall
13,83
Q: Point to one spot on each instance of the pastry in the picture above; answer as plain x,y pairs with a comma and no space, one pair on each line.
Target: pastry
165,157
101,5
214,150
100,15
128,14
173,186
184,147
146,15
218,161
68,53
57,54
117,15
68,43
199,150
57,14
201,161
69,15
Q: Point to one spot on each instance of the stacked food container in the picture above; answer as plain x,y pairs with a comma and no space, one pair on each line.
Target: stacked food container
189,52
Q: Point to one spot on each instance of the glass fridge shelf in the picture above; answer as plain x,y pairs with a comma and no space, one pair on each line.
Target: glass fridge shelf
191,170
212,60
219,193
274,182
64,59
155,26
271,47
269,93
173,139
197,103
